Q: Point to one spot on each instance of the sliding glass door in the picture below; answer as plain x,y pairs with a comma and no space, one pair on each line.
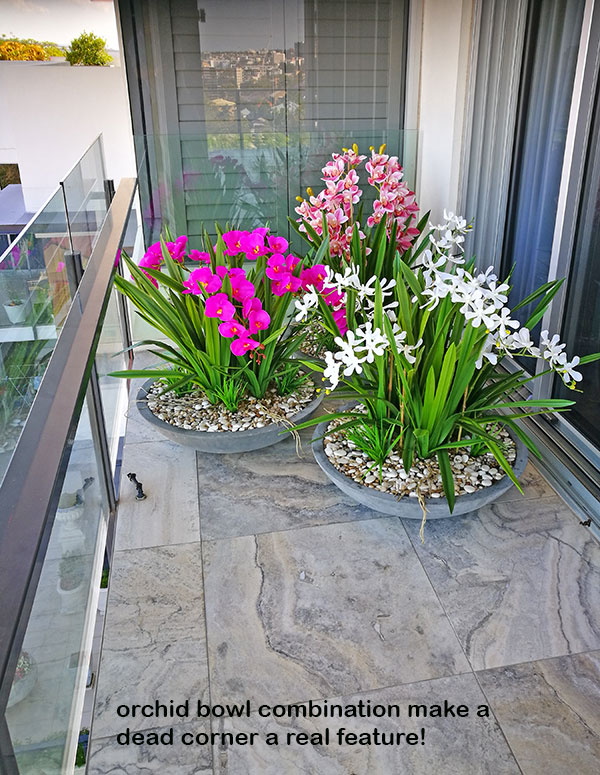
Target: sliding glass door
532,188
581,323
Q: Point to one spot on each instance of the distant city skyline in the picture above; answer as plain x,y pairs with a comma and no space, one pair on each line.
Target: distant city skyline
59,20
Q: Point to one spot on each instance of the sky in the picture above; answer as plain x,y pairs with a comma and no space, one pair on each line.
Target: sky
59,20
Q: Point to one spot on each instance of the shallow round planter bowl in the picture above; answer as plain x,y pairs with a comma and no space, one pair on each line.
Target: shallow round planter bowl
222,442
407,507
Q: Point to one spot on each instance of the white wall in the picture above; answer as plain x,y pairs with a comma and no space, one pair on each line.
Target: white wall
440,41
51,113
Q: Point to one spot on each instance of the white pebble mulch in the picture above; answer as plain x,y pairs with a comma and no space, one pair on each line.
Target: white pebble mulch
194,412
470,473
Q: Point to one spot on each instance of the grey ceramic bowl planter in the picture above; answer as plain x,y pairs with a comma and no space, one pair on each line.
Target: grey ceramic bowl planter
437,508
222,442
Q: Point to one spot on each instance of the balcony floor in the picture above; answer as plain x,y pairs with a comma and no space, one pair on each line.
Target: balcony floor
249,577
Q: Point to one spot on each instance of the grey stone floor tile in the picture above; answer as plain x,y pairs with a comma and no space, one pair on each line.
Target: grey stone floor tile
155,596
164,671
454,746
322,611
269,490
169,515
107,757
533,484
519,581
550,713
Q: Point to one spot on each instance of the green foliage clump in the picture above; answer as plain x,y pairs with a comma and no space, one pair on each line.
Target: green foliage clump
88,49
13,50
28,49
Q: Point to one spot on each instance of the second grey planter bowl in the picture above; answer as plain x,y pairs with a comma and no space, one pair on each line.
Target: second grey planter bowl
222,442
408,508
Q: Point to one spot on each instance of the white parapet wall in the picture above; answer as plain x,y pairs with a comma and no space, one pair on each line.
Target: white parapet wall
50,114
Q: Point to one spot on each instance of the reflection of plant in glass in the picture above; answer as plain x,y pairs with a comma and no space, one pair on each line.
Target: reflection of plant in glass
71,571
24,666
22,364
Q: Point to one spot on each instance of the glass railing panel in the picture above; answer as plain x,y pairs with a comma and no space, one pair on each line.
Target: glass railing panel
110,357
34,296
46,699
86,199
112,354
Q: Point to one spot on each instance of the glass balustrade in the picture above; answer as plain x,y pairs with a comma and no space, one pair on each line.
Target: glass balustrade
38,277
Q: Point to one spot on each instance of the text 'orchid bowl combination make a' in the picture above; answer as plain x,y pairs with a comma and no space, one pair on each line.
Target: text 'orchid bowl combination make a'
229,381
433,426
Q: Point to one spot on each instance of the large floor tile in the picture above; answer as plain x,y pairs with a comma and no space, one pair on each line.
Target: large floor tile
533,484
269,490
455,746
164,671
520,581
320,612
107,757
139,430
155,595
550,713
169,515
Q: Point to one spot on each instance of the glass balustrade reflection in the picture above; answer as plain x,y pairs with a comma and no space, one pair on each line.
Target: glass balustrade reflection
252,178
35,295
46,699
86,199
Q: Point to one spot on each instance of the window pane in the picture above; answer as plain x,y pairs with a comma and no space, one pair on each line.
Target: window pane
267,84
581,327
551,47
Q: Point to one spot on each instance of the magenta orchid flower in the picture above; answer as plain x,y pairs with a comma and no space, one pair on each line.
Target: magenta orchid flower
261,232
202,280
315,276
287,284
197,255
253,245
232,328
233,240
291,262
277,244
151,260
241,288
219,306
242,345
176,249
258,321
251,304
276,267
